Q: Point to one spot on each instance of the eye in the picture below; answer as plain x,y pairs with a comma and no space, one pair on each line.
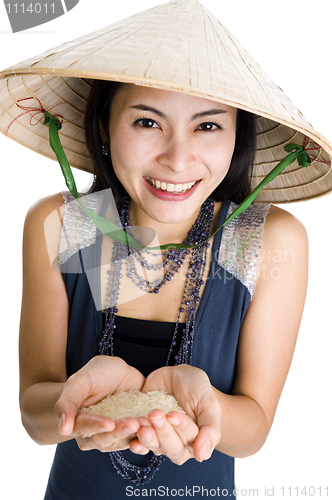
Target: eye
146,123
209,126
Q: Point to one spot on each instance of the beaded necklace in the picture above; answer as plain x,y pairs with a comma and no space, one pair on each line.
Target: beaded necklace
172,262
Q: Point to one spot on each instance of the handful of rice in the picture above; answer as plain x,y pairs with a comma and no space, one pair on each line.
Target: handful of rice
134,404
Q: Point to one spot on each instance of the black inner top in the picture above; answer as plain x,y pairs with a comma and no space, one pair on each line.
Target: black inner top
144,344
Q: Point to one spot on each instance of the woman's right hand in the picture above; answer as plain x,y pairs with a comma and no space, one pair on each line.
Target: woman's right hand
101,376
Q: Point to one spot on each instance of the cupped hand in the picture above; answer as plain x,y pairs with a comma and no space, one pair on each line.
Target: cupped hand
176,435
94,432
101,376
172,435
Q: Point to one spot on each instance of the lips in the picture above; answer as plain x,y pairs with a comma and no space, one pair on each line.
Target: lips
169,187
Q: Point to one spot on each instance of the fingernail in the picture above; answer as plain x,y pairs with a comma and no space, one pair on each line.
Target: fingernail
126,432
147,439
158,421
128,429
173,421
61,421
205,451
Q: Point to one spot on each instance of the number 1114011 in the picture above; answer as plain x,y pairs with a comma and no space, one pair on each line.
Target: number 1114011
310,491
37,8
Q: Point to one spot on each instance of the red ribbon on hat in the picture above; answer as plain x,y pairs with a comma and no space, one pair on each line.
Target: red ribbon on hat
41,110
315,147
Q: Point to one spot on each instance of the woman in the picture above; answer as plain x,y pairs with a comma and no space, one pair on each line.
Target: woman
173,140
166,144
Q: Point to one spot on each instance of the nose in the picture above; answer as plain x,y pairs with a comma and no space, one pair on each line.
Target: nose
178,154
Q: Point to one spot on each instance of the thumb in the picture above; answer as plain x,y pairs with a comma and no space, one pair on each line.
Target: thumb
208,421
66,419
76,390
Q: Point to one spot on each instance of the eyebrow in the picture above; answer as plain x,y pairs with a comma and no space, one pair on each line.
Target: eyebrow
208,112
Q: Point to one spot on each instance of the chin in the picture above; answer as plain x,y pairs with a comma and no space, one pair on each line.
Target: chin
176,215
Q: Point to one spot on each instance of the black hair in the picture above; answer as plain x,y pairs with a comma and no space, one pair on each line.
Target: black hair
236,184
97,117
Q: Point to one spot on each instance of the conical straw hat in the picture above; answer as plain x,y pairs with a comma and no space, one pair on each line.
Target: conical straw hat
178,46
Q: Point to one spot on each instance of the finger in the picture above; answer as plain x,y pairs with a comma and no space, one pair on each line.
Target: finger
147,438
144,422
170,440
203,445
87,425
136,446
125,427
118,439
184,426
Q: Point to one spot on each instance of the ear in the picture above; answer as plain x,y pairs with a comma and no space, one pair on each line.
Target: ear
104,134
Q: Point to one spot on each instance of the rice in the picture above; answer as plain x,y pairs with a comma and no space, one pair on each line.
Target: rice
133,404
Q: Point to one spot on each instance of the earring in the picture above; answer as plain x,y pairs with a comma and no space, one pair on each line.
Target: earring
105,151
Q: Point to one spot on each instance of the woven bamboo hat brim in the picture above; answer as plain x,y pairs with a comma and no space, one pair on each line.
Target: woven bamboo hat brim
178,46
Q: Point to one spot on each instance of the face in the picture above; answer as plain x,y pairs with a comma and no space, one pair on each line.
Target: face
169,150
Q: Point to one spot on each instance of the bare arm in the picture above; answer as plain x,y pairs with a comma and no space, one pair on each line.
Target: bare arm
43,329
46,415
267,338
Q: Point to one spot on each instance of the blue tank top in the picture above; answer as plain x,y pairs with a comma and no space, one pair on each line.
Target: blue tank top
233,272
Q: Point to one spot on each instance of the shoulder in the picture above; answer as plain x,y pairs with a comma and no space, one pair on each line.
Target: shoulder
59,223
42,208
257,238
284,230
281,218
284,254
42,230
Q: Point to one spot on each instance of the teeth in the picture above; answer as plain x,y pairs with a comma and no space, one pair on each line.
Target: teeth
171,188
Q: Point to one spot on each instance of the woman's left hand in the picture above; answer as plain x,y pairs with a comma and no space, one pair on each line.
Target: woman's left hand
175,435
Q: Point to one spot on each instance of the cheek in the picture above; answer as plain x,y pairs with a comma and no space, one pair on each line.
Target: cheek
128,153
220,158
122,154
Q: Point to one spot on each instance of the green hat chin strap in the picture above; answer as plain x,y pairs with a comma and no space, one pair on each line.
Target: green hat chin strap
296,152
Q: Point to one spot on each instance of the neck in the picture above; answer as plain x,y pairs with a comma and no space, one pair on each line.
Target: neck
166,233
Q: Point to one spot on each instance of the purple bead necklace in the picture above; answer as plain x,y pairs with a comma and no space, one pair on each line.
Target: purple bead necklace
172,262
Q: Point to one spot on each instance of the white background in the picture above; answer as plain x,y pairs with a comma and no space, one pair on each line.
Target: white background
291,40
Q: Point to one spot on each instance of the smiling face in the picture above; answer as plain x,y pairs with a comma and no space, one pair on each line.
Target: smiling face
169,150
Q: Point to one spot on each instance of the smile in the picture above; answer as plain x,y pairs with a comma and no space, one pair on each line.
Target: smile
170,188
